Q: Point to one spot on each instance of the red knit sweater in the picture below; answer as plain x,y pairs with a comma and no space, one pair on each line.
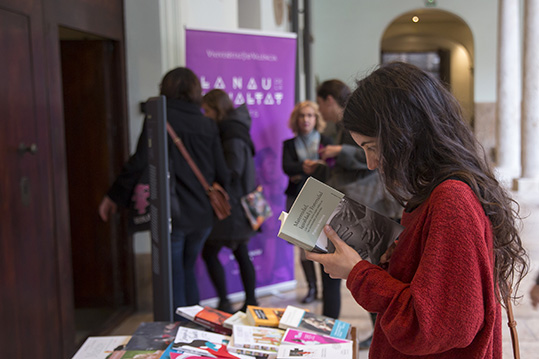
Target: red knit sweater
437,298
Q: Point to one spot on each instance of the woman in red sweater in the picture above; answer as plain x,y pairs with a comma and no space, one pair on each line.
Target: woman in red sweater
460,253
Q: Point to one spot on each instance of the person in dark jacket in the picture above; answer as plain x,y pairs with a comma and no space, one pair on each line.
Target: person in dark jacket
534,293
301,160
200,135
233,232
350,174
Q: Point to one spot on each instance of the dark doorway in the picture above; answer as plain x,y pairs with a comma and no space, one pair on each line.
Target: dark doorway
103,280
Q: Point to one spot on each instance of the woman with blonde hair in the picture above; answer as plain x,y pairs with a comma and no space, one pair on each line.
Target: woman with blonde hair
301,160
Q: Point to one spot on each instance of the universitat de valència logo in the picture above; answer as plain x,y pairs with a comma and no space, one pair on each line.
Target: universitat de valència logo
252,91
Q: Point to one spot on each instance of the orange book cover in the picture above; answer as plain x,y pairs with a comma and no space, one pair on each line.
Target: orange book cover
213,318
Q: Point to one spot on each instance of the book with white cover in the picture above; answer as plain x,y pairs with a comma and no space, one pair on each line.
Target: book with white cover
264,338
319,351
189,312
251,352
318,204
101,347
238,318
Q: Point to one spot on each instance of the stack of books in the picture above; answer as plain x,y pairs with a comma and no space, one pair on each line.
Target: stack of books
261,333
296,333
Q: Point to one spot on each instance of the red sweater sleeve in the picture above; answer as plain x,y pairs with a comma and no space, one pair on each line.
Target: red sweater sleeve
438,294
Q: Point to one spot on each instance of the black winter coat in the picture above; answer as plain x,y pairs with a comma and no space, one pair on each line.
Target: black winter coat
292,166
201,139
239,151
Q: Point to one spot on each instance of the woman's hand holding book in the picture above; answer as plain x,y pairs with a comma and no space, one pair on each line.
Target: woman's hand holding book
340,263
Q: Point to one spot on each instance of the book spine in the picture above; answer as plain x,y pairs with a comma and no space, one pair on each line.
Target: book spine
188,350
266,323
251,352
213,326
267,347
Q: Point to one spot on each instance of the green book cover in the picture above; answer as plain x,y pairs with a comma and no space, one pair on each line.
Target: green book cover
311,210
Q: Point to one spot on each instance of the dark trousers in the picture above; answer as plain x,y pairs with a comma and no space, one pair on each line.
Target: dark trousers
331,294
217,273
185,247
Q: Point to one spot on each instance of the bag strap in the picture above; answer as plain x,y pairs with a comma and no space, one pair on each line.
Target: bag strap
188,158
512,327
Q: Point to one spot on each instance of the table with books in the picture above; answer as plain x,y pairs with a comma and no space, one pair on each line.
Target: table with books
261,332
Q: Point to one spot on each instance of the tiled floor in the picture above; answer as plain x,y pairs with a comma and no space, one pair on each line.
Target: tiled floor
527,318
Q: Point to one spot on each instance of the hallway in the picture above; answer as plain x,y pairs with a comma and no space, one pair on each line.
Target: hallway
527,318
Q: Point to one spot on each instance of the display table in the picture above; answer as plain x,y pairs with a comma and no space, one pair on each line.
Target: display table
150,341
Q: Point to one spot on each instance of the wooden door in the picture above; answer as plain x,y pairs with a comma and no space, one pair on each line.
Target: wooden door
101,252
30,315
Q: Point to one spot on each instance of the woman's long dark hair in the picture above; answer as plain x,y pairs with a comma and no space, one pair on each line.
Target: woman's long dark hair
424,140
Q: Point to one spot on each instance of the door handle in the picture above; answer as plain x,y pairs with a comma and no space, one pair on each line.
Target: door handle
23,148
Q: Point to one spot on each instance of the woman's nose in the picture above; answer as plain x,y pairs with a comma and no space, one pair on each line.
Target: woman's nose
372,162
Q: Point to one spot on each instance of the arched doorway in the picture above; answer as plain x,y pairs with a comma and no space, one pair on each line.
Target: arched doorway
439,42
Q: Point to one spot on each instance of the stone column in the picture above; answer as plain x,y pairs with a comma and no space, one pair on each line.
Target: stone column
530,100
508,92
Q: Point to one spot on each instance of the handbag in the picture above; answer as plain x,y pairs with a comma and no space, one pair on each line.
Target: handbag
256,207
219,199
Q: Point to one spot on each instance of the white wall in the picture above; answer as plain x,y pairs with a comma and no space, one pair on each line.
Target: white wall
347,36
461,79
143,58
144,70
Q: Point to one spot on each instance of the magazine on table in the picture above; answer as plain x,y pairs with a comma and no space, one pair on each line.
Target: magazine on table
153,336
302,319
200,342
318,204
301,337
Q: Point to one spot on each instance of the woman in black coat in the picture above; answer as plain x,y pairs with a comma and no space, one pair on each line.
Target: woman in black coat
233,232
301,160
200,135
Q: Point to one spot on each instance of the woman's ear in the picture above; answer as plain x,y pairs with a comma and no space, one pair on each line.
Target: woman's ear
331,100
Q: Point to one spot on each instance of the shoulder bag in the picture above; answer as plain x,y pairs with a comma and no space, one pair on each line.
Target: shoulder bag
219,199
512,324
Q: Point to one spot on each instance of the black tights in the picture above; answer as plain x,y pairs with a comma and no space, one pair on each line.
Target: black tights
331,293
217,272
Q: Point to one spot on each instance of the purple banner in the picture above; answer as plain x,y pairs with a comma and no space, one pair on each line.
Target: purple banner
258,70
